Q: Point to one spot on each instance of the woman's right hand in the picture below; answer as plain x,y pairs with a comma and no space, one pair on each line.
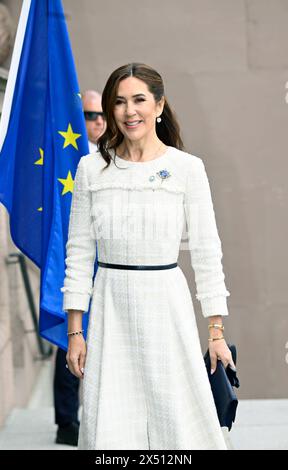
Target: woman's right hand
76,355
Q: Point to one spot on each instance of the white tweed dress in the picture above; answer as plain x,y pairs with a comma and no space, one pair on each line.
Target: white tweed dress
145,383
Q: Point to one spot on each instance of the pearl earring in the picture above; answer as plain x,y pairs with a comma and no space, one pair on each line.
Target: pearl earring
159,119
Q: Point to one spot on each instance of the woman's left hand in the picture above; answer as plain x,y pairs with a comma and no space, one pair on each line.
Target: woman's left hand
219,350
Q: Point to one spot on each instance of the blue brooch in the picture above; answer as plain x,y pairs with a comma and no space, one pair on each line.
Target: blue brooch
163,174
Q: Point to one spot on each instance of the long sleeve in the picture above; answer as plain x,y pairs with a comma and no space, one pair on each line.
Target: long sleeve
80,247
204,242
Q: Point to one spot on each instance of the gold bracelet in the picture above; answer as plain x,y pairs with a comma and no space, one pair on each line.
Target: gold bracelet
71,333
215,325
215,339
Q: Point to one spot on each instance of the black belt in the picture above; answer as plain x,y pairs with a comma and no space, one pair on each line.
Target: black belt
125,266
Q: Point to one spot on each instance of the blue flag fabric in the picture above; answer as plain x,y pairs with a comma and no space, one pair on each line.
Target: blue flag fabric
44,141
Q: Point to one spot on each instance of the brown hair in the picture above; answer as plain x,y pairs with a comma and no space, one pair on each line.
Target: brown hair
167,130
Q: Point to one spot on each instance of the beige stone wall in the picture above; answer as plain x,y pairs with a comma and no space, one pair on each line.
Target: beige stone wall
6,359
224,65
20,359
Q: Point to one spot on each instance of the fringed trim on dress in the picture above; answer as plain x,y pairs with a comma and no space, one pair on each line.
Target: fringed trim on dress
77,290
200,297
162,185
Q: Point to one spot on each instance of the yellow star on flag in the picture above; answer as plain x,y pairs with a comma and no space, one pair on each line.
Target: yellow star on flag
70,137
40,161
68,184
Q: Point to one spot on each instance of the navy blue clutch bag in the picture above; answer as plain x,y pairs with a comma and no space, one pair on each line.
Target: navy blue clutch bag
222,383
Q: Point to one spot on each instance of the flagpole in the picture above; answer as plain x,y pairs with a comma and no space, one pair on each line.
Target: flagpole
17,50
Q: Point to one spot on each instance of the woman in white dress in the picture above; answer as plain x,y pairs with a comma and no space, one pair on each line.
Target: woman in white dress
145,385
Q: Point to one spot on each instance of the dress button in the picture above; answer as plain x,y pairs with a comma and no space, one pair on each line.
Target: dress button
152,178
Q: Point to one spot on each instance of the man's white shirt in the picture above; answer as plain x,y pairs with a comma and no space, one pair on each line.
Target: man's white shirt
92,147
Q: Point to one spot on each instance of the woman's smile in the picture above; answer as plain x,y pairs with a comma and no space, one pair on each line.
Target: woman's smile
132,124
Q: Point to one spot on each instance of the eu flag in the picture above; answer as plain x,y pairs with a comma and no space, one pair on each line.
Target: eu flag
42,138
